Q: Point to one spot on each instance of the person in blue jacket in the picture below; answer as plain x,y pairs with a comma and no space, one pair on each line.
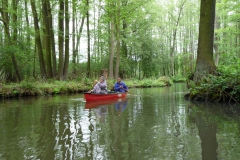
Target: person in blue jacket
120,86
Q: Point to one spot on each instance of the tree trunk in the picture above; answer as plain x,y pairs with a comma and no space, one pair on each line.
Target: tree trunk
38,40
52,39
94,50
99,32
205,64
117,58
88,41
124,45
66,62
118,41
238,38
191,49
174,38
217,39
79,38
60,39
111,48
15,35
9,42
27,21
74,53
47,38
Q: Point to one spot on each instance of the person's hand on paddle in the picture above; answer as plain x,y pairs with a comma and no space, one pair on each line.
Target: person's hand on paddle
123,88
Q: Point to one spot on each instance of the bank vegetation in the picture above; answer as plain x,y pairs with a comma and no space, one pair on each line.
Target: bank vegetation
52,87
224,86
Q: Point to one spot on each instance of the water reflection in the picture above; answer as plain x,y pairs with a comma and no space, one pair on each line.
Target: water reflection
101,107
215,129
156,123
101,112
120,106
108,124
207,131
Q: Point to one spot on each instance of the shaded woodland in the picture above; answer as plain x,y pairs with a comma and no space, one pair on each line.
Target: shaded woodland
70,39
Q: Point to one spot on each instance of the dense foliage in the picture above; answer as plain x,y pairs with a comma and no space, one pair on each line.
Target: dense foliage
75,40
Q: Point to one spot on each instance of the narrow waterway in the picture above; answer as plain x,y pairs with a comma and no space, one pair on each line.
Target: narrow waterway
152,123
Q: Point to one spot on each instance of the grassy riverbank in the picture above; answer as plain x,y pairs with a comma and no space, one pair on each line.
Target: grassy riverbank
51,87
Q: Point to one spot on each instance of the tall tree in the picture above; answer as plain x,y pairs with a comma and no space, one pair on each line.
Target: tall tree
66,61
117,39
76,47
38,40
111,13
205,64
61,39
112,40
88,40
175,27
52,40
15,37
74,11
11,40
217,39
47,36
124,27
27,19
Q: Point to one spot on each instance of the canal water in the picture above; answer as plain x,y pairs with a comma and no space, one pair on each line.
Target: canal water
152,123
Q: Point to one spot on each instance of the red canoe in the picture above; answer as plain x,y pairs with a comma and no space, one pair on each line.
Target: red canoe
100,97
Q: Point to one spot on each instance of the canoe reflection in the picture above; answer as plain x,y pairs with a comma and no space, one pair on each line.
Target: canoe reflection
101,107
96,104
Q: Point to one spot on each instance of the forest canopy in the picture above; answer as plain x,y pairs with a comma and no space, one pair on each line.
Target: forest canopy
69,39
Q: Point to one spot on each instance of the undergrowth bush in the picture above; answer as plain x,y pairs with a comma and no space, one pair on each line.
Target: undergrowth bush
224,86
178,79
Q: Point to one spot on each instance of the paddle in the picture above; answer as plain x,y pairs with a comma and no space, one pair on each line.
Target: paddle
129,92
94,83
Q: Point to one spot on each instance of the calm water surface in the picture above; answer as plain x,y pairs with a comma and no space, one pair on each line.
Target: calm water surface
153,123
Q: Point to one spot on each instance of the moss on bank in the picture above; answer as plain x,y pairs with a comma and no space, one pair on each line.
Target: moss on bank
51,87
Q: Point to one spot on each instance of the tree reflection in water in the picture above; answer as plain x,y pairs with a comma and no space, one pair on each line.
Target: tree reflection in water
157,124
215,131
